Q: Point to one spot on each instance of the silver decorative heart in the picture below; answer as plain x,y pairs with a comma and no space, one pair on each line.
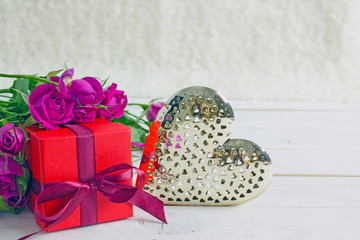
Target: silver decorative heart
190,160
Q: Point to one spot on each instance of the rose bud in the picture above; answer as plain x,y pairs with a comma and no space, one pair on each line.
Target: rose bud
11,139
153,110
9,168
66,77
86,91
51,107
115,102
84,114
13,199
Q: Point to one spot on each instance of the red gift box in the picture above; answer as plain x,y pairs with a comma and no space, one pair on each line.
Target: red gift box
52,156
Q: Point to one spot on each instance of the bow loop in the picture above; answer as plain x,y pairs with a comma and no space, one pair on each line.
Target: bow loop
106,183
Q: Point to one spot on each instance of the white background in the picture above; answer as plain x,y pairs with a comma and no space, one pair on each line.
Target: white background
248,50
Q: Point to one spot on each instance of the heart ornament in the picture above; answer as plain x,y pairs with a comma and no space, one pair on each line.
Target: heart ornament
189,159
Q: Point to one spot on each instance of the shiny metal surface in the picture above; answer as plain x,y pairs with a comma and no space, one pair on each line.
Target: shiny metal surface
195,162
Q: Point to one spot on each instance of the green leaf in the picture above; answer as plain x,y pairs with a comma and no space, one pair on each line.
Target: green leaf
103,82
22,86
25,98
138,133
3,205
28,122
19,108
4,121
53,73
33,84
22,181
20,93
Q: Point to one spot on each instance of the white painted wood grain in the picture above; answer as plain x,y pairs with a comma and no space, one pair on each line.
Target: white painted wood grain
301,138
291,208
282,106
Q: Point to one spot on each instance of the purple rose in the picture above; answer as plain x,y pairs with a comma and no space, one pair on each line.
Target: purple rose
86,91
51,107
9,168
153,110
115,102
84,114
14,200
11,139
66,77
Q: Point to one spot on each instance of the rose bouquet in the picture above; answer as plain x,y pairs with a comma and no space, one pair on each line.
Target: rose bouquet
52,101
14,175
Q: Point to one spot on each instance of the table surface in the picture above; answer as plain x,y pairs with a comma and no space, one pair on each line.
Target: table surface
314,193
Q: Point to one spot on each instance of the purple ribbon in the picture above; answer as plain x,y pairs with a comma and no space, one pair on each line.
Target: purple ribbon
87,170
85,191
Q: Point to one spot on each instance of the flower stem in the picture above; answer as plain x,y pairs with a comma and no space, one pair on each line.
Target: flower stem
5,111
144,106
6,90
32,77
133,115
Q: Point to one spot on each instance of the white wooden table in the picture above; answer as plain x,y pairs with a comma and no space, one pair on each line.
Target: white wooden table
314,194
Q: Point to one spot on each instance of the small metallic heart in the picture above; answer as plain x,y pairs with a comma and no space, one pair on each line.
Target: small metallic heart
204,167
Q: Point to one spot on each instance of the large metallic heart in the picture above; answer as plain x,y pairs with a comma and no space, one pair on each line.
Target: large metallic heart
190,160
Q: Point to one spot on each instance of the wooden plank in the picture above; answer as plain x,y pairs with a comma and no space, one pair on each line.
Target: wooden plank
282,106
299,129
293,106
199,223
308,161
301,138
304,140
291,208
310,192
315,161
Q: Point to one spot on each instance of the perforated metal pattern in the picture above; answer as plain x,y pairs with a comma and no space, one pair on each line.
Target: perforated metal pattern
195,162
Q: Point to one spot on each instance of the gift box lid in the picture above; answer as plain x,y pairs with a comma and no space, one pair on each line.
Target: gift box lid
53,156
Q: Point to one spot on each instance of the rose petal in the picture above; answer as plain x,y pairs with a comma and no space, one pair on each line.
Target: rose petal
62,87
40,91
67,73
5,128
69,102
104,114
9,166
84,114
96,85
154,110
50,126
42,110
80,86
20,139
54,78
109,93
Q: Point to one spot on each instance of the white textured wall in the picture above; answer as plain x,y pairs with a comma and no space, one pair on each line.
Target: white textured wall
252,50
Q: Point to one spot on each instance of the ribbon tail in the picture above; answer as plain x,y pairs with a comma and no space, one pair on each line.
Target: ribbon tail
68,210
27,236
149,204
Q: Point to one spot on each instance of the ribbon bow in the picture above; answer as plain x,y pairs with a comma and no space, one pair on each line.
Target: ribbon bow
106,182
